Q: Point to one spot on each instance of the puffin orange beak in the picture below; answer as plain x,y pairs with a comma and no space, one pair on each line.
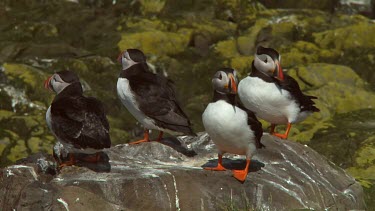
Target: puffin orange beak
119,58
47,83
233,84
280,74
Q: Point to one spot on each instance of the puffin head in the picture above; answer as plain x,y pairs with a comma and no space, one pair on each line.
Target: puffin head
268,60
131,57
60,80
225,81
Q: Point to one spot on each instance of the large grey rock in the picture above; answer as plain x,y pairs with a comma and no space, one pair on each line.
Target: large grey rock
169,176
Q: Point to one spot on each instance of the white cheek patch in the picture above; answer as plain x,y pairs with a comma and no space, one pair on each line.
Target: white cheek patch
260,64
126,63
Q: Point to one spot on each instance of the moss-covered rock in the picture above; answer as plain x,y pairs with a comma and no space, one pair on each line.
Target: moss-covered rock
349,142
332,84
328,5
349,37
29,79
156,42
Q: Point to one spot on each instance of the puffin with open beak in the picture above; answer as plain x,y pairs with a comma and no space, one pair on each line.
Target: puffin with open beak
150,97
273,95
233,128
79,123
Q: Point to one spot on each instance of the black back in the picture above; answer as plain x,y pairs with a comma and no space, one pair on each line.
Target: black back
156,98
291,85
252,121
79,120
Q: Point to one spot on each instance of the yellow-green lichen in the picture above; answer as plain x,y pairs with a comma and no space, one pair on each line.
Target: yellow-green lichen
349,37
28,78
155,42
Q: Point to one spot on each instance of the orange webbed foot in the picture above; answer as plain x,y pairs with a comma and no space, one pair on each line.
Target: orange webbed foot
146,138
138,142
219,167
240,174
70,162
282,136
92,158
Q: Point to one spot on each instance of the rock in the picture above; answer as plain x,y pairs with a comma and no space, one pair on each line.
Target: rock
327,5
169,176
332,84
352,139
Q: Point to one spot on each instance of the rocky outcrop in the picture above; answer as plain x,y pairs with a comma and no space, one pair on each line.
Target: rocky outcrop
169,176
330,54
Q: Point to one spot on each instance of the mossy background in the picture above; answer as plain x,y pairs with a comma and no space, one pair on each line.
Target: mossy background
331,54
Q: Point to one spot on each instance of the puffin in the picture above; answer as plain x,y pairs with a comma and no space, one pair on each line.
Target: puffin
150,97
79,123
232,127
274,96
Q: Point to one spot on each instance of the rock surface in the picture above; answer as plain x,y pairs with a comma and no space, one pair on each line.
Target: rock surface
169,176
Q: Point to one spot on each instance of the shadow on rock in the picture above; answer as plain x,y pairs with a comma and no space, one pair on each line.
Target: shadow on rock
83,160
175,144
236,164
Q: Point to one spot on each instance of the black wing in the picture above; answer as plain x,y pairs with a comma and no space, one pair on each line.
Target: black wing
81,121
254,124
156,98
305,101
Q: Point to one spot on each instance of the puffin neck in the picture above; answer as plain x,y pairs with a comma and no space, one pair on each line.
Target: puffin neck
134,70
74,89
229,98
257,73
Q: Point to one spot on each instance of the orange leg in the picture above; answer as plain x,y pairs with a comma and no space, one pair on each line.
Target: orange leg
219,166
70,162
242,174
285,135
92,158
146,138
160,136
272,129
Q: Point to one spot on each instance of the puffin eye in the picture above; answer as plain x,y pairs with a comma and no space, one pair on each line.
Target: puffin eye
265,60
220,76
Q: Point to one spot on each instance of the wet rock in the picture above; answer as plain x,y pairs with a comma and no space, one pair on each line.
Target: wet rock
169,175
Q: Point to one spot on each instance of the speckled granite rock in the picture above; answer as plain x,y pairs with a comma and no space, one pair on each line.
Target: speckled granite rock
169,176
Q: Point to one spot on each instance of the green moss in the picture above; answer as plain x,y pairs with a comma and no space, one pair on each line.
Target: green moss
18,151
4,114
227,48
37,144
242,64
152,6
284,28
29,79
349,37
332,84
155,42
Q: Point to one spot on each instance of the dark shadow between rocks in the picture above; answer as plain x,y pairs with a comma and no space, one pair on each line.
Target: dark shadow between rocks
175,144
237,164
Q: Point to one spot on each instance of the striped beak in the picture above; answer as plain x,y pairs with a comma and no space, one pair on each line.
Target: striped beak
47,83
278,73
232,84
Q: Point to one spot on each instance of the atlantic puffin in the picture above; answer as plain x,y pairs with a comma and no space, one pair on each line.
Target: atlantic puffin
274,96
79,123
233,128
150,97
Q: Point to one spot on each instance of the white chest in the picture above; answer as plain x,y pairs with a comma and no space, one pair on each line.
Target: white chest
49,119
128,100
228,128
268,101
